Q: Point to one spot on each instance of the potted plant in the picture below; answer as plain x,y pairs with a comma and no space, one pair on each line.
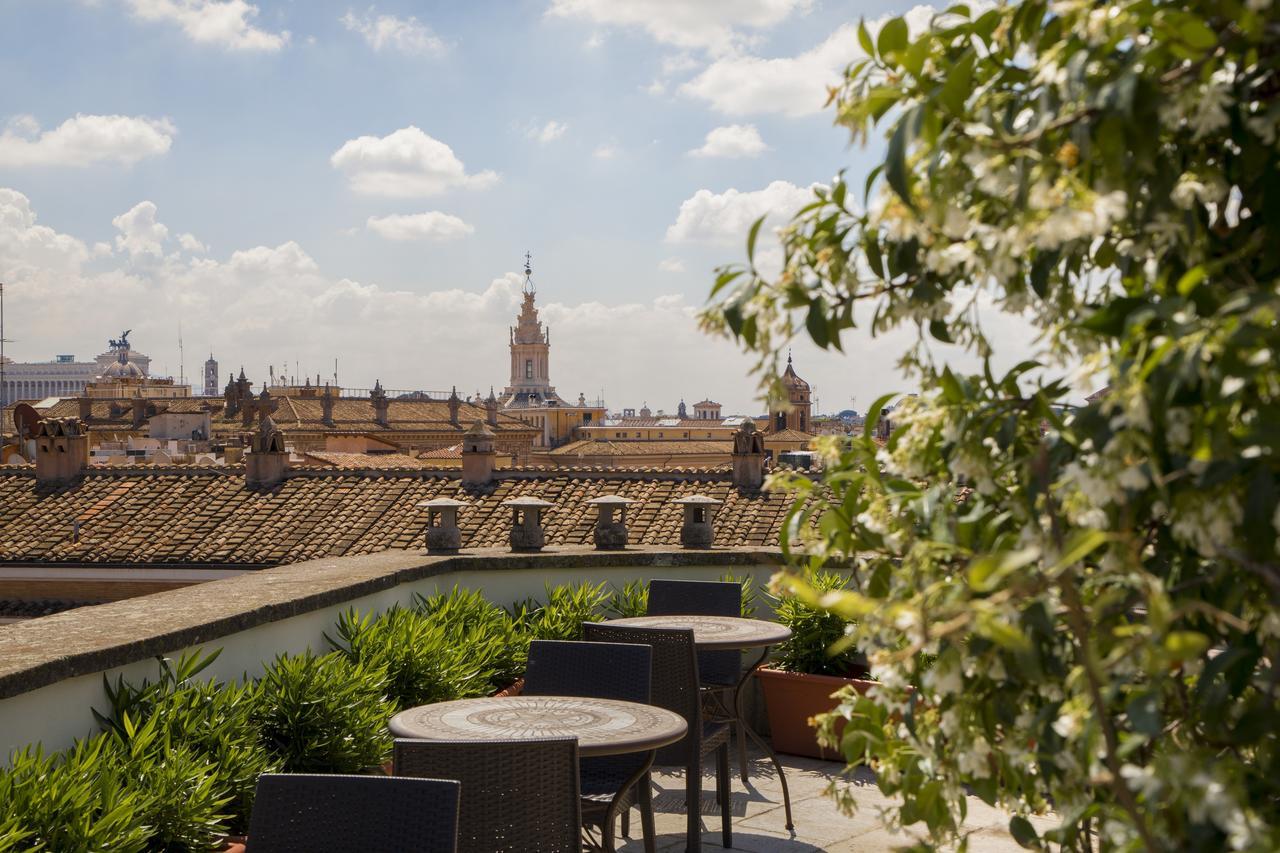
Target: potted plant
809,667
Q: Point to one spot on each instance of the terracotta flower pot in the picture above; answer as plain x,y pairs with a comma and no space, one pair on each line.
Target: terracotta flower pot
513,689
793,699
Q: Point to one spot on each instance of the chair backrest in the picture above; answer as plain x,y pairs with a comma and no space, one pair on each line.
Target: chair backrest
708,598
674,681
599,670
299,813
517,795
705,598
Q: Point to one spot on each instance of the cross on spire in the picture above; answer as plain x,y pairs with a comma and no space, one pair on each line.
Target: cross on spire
528,272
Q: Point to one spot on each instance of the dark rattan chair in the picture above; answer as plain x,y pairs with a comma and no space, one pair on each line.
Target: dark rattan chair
675,687
302,813
603,671
518,796
719,671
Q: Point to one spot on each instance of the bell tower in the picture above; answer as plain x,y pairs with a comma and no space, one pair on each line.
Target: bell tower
530,349
796,411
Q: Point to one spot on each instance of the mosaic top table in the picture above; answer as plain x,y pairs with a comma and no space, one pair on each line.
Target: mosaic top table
723,633
602,726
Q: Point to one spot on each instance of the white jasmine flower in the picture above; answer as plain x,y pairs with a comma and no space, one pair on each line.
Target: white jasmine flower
973,761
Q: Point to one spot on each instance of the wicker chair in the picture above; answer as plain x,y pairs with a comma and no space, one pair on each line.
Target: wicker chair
518,796
301,813
602,671
675,687
719,671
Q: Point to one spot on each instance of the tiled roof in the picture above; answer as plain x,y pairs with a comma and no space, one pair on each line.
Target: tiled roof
669,421
614,447
357,416
110,414
364,461
453,451
198,516
789,435
19,609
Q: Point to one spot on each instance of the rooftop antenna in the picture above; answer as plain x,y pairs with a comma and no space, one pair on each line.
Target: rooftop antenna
528,273
182,359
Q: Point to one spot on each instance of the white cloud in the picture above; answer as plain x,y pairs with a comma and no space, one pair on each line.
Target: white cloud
715,25
671,265
732,140
84,140
605,151
432,225
140,232
742,84
383,32
222,23
260,302
405,164
546,133
190,243
723,219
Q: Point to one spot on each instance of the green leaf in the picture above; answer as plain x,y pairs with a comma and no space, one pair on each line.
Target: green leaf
1191,279
864,39
1144,713
1080,545
959,84
1185,645
896,161
892,38
1196,32
751,238
938,328
951,390
1024,833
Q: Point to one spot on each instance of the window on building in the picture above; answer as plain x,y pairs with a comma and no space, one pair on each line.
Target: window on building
528,368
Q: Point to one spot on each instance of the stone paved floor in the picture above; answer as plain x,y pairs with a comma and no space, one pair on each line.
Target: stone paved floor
759,824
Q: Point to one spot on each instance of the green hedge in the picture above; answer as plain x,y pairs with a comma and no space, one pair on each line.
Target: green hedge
176,762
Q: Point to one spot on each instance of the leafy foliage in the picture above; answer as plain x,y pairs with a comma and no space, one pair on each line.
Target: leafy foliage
1097,584
820,639
323,713
565,610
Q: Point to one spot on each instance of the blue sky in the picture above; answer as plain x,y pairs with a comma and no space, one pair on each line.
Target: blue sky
274,175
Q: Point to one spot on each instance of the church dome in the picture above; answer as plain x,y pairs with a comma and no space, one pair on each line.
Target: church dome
122,368
791,380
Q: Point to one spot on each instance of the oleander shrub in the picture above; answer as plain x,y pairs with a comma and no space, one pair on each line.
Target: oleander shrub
422,659
76,800
323,713
480,625
821,641
210,718
632,599
563,613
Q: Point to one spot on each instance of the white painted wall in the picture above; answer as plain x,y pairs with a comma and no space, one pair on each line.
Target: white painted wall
58,714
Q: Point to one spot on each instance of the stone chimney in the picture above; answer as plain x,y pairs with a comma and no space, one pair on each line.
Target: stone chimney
381,406
697,531
491,409
526,523
443,533
86,408
610,534
478,456
267,461
326,406
455,403
62,450
748,457
139,412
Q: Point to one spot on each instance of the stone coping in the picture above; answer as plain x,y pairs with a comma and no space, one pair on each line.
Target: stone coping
89,640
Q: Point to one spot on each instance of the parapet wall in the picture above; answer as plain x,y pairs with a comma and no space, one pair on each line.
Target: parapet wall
52,668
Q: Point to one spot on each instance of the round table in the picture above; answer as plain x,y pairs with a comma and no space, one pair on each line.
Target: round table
602,726
715,632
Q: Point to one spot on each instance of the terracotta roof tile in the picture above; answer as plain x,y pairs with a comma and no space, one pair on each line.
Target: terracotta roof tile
208,517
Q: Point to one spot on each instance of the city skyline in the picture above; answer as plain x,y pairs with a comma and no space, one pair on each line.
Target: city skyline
369,198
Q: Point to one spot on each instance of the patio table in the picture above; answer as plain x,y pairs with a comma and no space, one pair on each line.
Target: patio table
602,726
721,633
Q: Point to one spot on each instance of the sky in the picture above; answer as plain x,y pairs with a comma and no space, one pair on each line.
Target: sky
291,183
